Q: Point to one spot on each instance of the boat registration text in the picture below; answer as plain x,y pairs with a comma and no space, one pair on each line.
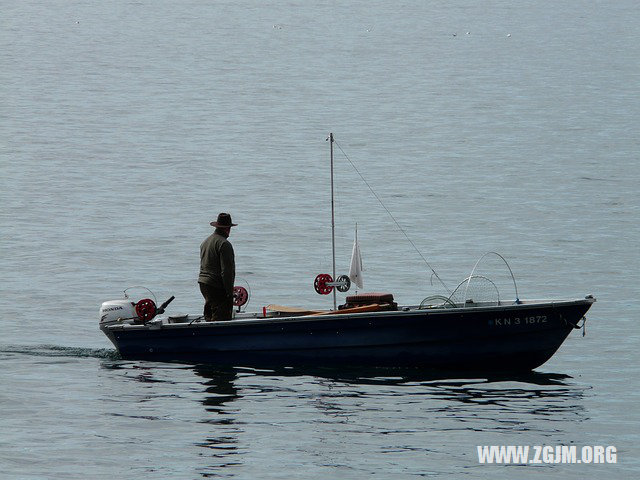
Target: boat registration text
508,321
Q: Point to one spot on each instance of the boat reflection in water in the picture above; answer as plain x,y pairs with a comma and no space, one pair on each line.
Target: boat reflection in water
327,416
224,387
244,421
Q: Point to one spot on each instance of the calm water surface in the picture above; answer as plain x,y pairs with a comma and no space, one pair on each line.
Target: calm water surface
125,127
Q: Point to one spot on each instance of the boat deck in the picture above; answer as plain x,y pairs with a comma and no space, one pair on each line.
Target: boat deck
282,313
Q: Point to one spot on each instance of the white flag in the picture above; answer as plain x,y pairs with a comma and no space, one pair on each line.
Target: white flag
355,270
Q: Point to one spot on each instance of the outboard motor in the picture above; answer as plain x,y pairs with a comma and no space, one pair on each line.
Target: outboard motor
117,311
125,311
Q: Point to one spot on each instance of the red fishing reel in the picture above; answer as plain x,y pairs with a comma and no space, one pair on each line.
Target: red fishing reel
320,284
146,310
240,296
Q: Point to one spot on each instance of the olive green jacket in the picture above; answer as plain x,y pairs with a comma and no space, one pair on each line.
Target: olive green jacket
217,263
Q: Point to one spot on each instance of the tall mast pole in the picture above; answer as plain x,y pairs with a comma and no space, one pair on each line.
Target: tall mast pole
333,224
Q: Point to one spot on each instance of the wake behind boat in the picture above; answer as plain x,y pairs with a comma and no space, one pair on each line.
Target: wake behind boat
471,328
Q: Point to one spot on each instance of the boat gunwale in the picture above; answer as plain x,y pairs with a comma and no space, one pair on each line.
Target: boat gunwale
401,312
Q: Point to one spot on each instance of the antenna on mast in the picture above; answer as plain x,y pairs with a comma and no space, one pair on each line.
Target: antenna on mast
324,283
333,222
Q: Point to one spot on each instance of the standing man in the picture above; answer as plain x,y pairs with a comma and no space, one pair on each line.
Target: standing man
217,271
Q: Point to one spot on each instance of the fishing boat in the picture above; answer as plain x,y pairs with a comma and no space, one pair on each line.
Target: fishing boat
470,328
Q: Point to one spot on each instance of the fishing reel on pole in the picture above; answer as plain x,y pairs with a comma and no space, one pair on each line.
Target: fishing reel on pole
146,309
241,295
324,284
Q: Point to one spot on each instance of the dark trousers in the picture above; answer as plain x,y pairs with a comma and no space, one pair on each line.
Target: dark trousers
217,306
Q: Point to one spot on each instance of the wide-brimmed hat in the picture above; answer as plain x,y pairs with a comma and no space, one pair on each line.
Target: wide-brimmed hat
224,220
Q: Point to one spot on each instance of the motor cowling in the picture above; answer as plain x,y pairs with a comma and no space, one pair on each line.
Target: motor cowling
118,311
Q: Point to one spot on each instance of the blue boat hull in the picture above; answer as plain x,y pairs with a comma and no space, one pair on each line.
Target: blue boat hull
505,338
